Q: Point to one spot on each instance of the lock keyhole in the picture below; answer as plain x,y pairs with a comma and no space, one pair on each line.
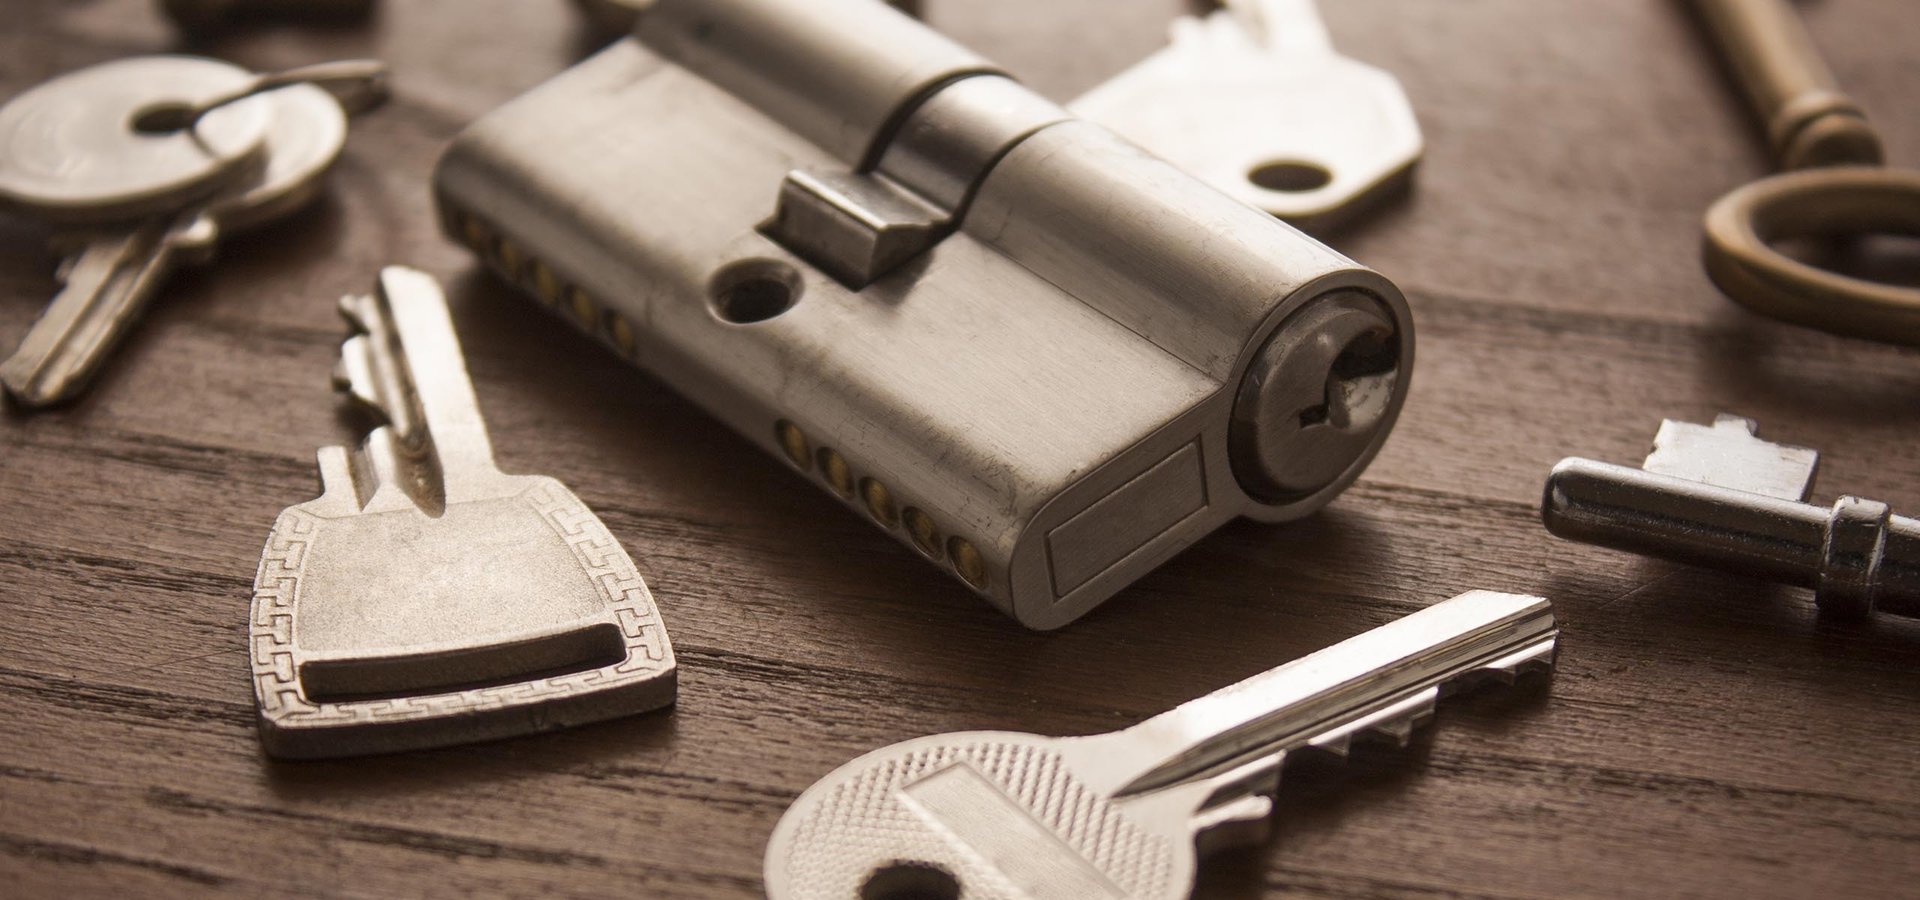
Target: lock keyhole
1321,390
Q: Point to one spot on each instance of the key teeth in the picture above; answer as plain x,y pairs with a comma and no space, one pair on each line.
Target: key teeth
1537,658
1340,745
358,310
353,376
1399,731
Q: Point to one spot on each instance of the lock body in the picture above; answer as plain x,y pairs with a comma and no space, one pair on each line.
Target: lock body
1041,357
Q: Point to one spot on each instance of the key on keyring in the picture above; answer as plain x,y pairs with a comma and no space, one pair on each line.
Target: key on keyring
70,154
1254,99
426,598
1004,815
120,268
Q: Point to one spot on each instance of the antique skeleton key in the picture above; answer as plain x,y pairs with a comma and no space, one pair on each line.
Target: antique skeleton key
1721,496
426,598
992,815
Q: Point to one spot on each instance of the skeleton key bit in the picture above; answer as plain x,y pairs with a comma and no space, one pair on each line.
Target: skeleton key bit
1002,815
1255,100
1720,496
426,598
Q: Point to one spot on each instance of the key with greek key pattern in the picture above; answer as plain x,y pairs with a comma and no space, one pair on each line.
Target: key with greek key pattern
1003,815
426,598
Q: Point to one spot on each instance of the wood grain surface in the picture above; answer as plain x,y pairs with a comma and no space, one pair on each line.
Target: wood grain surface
1705,736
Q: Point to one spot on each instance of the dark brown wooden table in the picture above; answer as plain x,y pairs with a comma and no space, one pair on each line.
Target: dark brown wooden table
1706,736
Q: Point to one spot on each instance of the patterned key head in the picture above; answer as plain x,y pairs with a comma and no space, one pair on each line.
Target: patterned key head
385,627
981,815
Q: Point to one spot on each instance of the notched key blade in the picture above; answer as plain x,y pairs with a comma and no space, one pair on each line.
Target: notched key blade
504,608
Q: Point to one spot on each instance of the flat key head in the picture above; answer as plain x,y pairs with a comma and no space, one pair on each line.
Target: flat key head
70,152
1287,126
392,630
980,815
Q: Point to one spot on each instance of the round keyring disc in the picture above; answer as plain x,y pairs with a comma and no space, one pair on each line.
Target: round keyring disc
70,154
309,131
1833,202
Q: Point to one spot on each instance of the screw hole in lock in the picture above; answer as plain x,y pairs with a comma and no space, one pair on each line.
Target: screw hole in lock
1289,176
754,290
910,881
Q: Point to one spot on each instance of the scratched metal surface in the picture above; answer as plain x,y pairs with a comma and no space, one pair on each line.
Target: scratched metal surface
1705,737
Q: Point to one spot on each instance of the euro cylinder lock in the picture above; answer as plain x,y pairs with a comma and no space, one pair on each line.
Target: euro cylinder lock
1036,354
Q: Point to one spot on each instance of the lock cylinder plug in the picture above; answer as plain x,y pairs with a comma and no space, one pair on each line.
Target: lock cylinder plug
1318,399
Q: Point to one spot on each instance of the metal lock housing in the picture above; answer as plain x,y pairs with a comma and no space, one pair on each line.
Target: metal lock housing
1042,357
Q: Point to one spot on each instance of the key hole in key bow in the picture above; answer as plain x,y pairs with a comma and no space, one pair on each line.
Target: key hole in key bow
1289,176
910,881
163,118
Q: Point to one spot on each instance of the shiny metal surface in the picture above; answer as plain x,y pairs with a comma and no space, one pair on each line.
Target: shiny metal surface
948,143
1038,401
120,270
1254,99
1004,815
838,73
1833,185
425,598
70,154
1722,497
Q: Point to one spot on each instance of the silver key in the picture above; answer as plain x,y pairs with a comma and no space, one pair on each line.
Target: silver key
1255,100
1003,815
69,153
120,270
1721,496
426,598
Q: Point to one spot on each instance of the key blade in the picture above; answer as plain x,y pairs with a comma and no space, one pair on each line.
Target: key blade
405,366
1328,692
434,366
109,283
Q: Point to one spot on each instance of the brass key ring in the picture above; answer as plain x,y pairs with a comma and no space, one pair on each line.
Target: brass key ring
1836,201
1834,186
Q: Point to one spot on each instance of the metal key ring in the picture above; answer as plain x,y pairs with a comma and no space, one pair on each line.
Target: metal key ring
1836,201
